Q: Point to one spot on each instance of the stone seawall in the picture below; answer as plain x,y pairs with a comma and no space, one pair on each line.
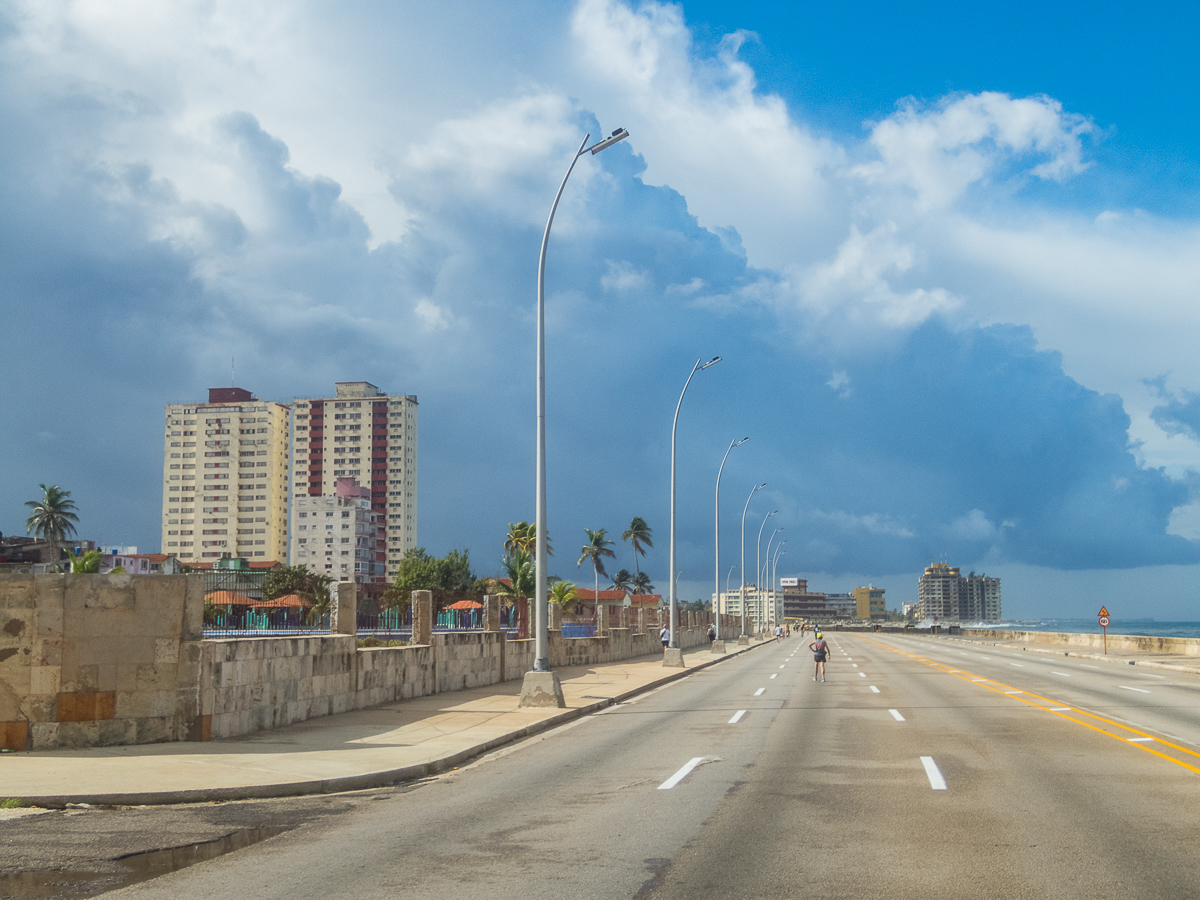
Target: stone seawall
1171,646
96,660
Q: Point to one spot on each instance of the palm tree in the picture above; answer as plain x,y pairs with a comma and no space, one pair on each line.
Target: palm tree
519,569
639,534
88,563
623,581
641,584
53,517
523,536
563,593
596,549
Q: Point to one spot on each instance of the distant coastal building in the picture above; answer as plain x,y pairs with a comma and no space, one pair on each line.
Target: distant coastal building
801,603
225,478
339,534
869,603
371,437
943,592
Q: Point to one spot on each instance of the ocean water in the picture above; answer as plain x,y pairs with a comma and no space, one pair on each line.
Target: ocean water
1146,627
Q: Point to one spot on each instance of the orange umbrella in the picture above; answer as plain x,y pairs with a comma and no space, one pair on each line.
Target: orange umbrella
465,604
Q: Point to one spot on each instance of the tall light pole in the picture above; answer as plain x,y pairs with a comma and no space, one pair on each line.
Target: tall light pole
717,541
753,490
676,659
767,567
774,564
758,562
534,691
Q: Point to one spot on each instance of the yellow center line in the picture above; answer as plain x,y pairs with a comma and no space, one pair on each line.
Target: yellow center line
1029,699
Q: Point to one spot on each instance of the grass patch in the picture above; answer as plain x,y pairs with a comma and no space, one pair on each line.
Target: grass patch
13,803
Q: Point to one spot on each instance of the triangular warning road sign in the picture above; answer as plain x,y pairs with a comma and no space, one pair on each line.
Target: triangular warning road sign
1104,610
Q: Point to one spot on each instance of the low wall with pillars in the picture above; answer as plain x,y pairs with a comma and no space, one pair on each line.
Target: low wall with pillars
93,660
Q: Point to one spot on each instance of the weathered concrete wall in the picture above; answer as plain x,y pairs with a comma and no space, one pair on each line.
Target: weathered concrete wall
95,660
1165,645
89,660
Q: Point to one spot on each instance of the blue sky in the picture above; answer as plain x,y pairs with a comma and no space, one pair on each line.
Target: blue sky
950,261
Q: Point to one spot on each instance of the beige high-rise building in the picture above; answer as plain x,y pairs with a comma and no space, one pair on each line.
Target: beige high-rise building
371,437
225,486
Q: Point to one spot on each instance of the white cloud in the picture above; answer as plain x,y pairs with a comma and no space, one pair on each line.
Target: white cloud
974,526
623,276
686,290
872,523
433,316
840,383
940,151
705,129
856,283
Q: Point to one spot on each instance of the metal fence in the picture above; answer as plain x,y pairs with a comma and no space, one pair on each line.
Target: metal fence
263,623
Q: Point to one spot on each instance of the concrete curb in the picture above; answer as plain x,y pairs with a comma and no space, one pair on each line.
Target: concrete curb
367,780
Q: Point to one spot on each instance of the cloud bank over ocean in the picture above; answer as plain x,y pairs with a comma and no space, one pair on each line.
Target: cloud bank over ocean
933,352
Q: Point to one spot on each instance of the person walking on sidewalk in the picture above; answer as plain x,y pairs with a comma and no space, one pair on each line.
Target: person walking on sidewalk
665,636
712,633
820,651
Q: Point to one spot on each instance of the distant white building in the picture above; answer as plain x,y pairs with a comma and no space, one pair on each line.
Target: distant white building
339,534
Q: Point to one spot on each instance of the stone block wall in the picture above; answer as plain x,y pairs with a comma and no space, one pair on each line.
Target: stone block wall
92,660
95,660
253,684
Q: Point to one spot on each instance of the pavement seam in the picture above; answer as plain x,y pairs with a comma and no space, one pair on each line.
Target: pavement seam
385,778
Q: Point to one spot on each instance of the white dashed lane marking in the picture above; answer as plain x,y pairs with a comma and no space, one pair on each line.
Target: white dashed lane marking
759,691
681,774
896,715
737,717
936,781
874,690
1126,687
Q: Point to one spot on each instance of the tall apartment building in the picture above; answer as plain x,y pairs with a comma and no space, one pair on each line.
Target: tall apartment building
937,592
372,437
339,534
869,603
225,488
943,592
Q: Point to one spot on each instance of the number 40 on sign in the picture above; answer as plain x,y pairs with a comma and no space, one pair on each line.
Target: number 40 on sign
1104,625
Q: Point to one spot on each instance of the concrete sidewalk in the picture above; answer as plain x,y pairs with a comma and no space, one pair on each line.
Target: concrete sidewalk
355,750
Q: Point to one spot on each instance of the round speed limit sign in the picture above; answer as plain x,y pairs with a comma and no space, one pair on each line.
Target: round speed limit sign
1104,621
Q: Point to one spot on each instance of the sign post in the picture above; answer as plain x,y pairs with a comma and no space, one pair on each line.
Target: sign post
1104,624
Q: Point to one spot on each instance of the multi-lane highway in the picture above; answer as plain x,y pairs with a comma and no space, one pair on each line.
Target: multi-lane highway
923,767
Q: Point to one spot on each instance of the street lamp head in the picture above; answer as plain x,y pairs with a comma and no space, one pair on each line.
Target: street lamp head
711,362
619,135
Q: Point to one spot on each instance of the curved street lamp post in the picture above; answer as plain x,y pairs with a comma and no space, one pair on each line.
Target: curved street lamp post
779,551
717,548
758,568
540,690
742,603
676,658
766,570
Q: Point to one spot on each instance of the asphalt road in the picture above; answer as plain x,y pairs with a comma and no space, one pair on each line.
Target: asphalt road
922,768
